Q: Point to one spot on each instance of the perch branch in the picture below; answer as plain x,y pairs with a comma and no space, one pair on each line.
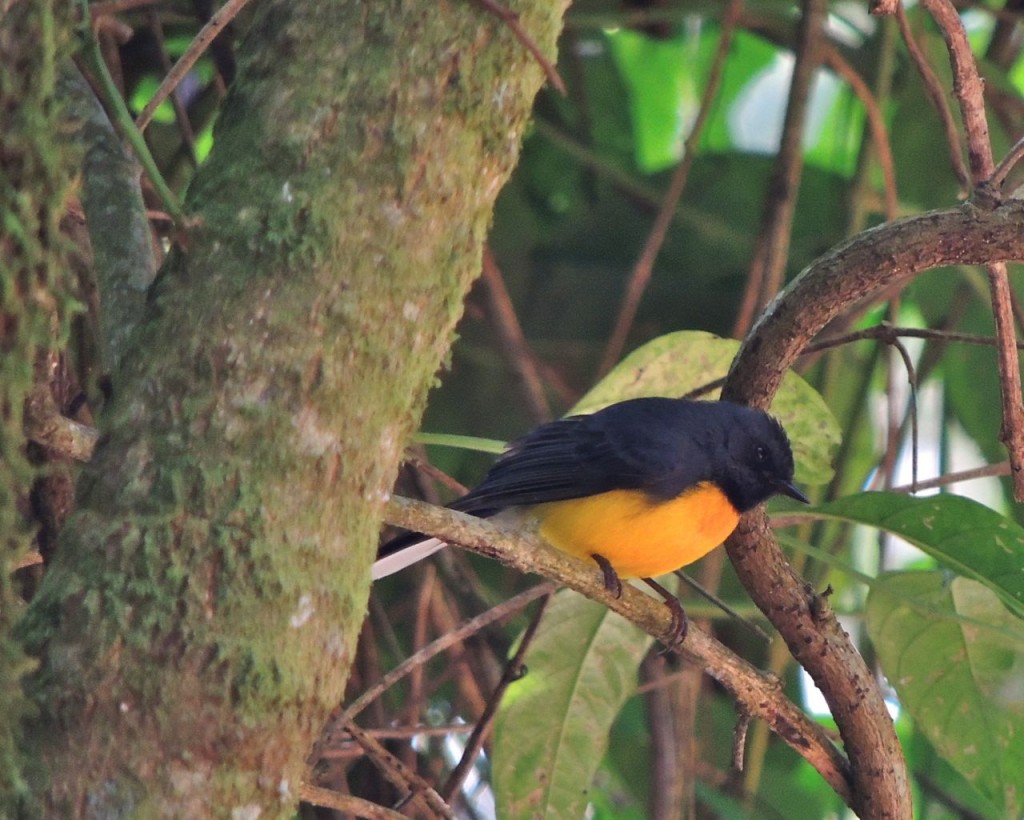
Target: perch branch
760,693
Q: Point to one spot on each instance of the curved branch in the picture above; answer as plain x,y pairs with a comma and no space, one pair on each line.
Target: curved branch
760,694
866,264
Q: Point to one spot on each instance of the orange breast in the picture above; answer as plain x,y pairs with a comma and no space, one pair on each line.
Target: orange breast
640,538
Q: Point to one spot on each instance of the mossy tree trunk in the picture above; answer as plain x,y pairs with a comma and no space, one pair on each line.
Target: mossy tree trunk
202,611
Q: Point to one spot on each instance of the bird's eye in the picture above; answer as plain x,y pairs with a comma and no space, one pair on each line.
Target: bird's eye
761,454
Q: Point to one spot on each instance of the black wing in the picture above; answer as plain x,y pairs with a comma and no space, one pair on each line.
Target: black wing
658,445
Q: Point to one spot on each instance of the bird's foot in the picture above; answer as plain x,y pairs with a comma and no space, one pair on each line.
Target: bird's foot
612,583
680,623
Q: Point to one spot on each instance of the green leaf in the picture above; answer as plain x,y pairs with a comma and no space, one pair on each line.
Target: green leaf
963,535
551,731
676,363
956,657
475,443
662,95
749,56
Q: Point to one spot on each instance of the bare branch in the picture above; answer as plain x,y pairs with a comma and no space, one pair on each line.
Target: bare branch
933,88
511,19
514,346
224,15
968,87
398,774
876,122
352,806
1011,432
771,252
760,693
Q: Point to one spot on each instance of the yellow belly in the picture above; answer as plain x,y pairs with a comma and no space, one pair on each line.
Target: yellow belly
640,538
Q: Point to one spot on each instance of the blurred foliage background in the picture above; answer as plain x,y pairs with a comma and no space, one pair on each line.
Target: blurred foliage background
550,316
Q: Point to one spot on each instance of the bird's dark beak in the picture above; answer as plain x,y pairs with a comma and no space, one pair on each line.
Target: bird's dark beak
790,489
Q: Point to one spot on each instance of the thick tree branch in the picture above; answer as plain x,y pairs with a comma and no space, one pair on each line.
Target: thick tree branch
200,615
867,264
875,259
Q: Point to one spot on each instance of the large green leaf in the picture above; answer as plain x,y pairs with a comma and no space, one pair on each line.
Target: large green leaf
955,655
677,363
961,534
662,93
749,56
551,731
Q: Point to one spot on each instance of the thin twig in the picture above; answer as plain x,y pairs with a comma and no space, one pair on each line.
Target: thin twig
704,389
739,739
445,642
406,732
702,589
876,122
968,87
935,93
1007,164
440,476
511,19
644,267
908,364
224,15
470,687
1011,432
513,672
352,806
988,471
419,639
886,332
188,136
887,465
397,773
123,119
768,266
715,229
513,345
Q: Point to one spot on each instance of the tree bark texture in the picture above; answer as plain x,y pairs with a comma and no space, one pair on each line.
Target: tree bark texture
200,617
36,281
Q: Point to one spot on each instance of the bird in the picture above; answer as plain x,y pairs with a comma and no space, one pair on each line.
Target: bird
641,487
